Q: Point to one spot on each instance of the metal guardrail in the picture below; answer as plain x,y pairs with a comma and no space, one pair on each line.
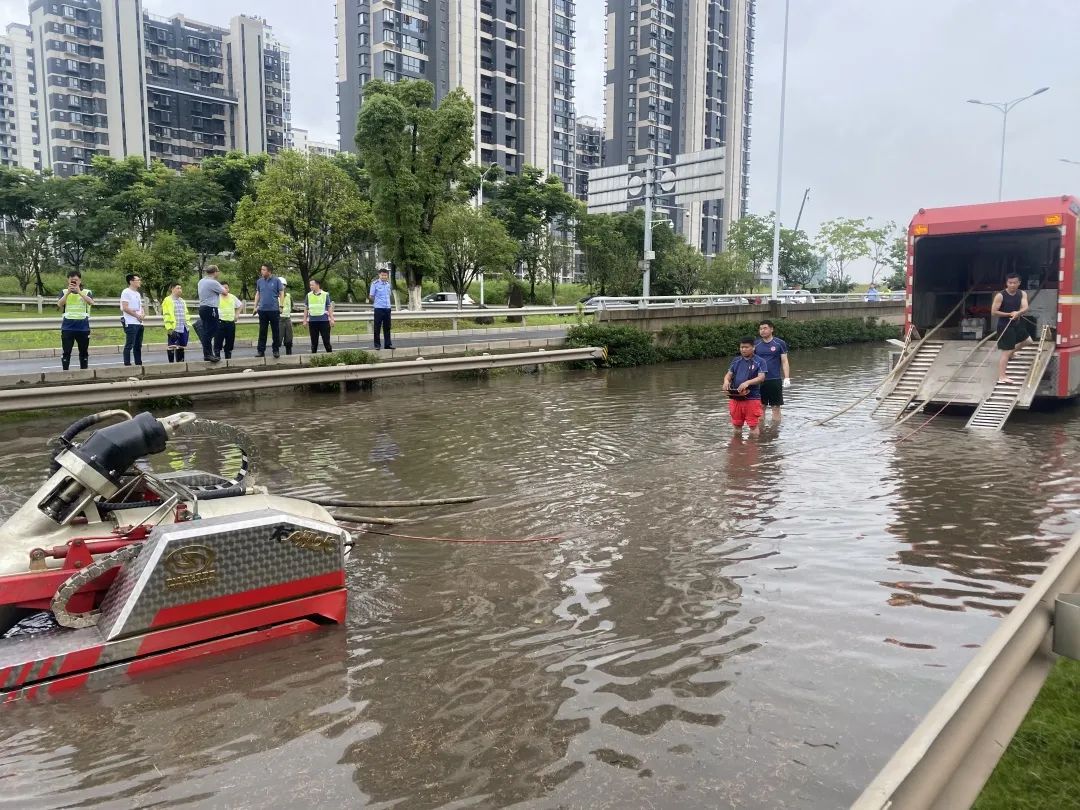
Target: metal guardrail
744,298
39,324
948,758
60,396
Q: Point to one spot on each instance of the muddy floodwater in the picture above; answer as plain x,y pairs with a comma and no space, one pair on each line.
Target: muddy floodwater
748,624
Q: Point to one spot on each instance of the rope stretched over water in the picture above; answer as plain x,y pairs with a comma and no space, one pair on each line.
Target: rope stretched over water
539,539
349,517
386,504
902,363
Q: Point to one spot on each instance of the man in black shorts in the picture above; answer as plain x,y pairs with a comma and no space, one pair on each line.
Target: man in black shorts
1015,329
773,352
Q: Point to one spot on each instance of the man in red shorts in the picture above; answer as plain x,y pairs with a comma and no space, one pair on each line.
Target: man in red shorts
743,384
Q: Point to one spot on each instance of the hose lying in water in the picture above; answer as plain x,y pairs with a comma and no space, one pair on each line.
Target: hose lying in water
349,517
386,504
541,539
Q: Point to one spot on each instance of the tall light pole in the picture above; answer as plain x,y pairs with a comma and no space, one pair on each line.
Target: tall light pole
780,159
1004,107
480,207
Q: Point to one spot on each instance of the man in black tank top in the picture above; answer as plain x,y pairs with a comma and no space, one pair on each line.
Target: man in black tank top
1014,327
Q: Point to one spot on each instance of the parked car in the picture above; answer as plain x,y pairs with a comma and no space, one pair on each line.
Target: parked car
445,299
796,296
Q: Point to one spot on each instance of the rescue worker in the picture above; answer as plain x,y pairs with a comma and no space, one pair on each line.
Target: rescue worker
75,303
286,316
174,313
318,315
209,299
379,295
228,307
268,295
1015,328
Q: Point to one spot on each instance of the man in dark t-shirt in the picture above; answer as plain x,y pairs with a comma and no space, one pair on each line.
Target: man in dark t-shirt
773,352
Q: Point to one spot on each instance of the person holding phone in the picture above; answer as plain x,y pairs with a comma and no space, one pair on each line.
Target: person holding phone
75,303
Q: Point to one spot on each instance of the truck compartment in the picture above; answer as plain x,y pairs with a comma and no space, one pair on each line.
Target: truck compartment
949,265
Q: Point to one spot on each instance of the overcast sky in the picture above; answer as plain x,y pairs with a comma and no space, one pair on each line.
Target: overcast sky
877,123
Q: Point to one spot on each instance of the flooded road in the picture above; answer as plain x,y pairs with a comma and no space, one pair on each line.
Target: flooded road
753,624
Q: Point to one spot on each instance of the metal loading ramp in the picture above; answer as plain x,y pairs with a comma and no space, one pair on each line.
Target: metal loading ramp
1026,367
896,400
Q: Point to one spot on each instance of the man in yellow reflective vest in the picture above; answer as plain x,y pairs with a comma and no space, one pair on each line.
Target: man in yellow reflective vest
318,315
286,316
174,314
75,303
228,308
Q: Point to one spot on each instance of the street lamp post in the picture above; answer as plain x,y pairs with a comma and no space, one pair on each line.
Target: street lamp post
1004,107
480,207
780,158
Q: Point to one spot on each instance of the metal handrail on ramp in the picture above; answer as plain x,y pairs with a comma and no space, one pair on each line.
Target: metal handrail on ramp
948,758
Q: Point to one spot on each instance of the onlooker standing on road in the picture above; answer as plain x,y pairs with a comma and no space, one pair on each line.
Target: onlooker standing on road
773,352
872,293
228,306
174,313
75,303
318,315
210,291
379,295
132,315
269,296
286,315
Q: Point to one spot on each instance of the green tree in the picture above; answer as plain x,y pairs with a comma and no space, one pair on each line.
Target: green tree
196,208
128,190
305,215
727,273
529,205
751,240
896,261
683,269
471,242
415,156
556,258
78,216
26,246
235,173
610,257
879,245
842,241
162,263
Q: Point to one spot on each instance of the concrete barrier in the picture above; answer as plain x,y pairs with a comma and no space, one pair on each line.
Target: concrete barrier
249,380
657,319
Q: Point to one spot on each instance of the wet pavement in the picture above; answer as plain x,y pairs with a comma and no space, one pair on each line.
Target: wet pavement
721,623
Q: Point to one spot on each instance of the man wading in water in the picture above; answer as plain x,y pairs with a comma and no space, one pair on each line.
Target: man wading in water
1014,328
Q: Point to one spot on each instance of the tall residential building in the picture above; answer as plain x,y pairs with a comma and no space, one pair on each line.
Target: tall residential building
588,153
513,57
678,80
116,80
19,145
301,142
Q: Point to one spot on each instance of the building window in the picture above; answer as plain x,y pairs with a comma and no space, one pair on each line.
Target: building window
362,18
363,38
363,60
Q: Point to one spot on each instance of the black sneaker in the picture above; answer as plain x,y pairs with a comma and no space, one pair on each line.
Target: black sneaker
260,354
211,359
388,346
377,347
277,355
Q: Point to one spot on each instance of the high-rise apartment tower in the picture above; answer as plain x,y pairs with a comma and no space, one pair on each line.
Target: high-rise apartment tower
515,59
113,79
678,80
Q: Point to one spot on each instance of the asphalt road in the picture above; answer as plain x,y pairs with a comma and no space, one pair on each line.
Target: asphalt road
194,353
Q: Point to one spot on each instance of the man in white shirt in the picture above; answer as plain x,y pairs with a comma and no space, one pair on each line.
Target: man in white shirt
131,309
